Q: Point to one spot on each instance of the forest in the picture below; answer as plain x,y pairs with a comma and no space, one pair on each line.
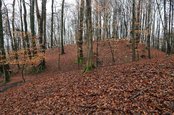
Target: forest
106,57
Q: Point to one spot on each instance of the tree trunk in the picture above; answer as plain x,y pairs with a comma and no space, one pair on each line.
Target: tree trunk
169,33
114,24
80,35
97,34
14,45
44,26
172,36
8,26
158,34
166,36
138,24
149,30
4,67
32,26
41,40
21,19
52,22
26,30
133,31
62,28
89,64
38,16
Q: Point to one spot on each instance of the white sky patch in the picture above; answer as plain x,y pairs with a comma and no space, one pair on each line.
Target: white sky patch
57,3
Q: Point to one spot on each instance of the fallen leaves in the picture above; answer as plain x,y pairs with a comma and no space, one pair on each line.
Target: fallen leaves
143,87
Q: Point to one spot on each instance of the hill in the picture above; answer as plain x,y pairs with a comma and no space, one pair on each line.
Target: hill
145,86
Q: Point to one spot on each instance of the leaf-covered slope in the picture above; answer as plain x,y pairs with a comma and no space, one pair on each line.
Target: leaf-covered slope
143,86
146,86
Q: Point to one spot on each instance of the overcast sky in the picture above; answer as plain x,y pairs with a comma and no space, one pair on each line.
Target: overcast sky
56,3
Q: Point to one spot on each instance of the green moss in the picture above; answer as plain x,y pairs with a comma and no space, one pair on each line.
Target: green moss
80,60
34,70
41,68
89,68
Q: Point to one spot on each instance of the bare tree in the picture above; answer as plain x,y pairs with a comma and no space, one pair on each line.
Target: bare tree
133,31
32,26
90,63
62,27
41,39
149,25
26,29
80,31
4,67
52,22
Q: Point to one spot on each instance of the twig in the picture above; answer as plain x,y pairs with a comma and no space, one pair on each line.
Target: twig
139,93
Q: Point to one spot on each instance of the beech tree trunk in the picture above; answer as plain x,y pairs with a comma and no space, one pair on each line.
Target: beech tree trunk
14,47
166,35
26,30
133,31
4,67
149,30
90,63
44,26
21,19
52,22
32,26
8,29
41,25
80,35
62,28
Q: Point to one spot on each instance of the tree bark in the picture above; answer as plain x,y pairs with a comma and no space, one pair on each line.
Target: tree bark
32,26
26,30
62,28
52,22
41,39
133,31
89,64
13,27
8,26
44,26
149,30
166,36
21,19
4,67
80,36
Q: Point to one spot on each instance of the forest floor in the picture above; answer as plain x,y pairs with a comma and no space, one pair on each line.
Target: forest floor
145,86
